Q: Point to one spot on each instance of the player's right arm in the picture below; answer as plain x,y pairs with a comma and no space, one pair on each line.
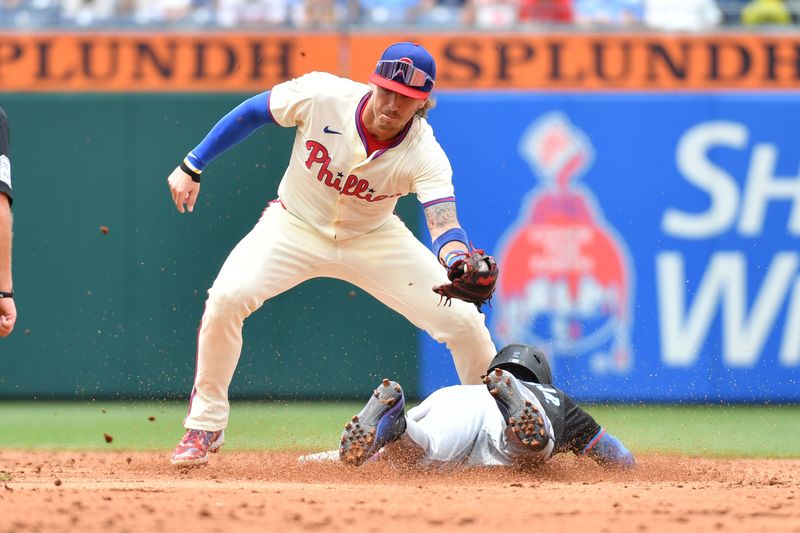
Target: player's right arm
8,310
184,181
584,436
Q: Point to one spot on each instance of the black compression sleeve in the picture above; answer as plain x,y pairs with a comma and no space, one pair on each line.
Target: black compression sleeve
5,161
4,132
579,427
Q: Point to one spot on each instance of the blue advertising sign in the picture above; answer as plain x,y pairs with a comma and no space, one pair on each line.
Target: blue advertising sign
648,243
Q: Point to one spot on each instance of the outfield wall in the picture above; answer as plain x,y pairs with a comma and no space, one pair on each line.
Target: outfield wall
638,190
104,315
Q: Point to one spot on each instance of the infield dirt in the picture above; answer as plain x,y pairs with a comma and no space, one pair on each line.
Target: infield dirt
83,491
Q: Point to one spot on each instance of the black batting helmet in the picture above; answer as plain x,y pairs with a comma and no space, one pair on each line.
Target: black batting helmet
524,362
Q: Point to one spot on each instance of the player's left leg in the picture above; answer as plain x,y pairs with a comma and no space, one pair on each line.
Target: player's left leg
397,269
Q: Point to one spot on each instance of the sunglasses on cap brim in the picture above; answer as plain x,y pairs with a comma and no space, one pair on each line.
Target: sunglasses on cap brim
401,71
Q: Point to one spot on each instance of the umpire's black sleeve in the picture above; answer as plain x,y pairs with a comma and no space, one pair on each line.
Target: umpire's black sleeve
5,156
4,132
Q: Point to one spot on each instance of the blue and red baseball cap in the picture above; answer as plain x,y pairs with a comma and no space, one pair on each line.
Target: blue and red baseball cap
406,68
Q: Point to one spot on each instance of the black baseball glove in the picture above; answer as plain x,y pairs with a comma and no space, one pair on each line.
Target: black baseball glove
472,279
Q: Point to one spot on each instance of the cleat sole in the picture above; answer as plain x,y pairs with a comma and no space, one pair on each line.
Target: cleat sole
374,425
523,417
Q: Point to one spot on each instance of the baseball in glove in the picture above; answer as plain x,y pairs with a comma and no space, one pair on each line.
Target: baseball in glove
472,279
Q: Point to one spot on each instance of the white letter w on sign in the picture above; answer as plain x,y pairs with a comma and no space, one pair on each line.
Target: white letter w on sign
724,285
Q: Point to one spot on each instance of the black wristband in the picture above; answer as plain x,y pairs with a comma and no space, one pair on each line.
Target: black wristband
193,173
4,294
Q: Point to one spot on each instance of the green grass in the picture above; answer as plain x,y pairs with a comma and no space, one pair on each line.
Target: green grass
719,431
253,426
731,431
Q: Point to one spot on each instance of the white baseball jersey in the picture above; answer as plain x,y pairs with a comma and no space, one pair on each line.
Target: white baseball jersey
331,183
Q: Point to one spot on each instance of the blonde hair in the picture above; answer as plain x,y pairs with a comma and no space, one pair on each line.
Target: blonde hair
430,103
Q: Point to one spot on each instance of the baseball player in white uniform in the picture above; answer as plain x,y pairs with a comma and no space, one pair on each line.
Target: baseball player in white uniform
517,417
357,149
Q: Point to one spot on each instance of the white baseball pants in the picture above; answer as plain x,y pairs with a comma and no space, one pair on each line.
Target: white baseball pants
462,425
282,251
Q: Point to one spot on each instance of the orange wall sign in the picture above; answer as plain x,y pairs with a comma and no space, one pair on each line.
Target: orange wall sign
603,61
251,62
160,62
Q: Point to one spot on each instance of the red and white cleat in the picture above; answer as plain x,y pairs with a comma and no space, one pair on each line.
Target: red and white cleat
194,447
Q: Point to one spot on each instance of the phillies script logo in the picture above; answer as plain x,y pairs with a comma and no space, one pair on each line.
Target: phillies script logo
566,283
352,186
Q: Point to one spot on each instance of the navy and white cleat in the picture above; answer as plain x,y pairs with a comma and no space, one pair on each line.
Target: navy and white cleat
381,421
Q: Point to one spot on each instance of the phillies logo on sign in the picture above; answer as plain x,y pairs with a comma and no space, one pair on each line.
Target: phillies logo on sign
566,278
